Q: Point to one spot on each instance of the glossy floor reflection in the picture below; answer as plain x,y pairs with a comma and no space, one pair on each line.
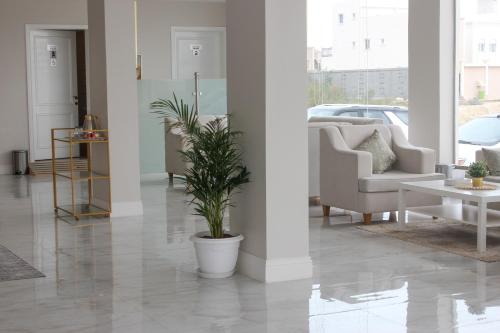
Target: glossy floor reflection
138,275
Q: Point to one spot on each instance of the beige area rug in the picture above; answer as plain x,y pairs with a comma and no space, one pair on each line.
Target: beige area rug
451,237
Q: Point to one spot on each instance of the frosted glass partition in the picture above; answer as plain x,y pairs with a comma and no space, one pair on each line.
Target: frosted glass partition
213,99
152,138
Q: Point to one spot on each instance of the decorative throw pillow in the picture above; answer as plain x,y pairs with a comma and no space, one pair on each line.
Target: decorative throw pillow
382,155
492,157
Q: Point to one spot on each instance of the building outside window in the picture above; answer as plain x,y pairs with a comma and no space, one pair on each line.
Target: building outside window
362,70
481,45
367,43
478,66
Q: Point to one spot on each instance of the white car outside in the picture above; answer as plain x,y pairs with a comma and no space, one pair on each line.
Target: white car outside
396,115
475,134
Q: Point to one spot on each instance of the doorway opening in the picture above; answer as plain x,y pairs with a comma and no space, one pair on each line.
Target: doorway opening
57,88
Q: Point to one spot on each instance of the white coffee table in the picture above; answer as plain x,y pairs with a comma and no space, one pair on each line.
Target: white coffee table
479,215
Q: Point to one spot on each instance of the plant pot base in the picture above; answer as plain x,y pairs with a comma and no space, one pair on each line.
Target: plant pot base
216,257
215,275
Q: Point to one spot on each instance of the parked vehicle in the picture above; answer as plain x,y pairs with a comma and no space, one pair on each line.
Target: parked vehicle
479,132
397,115
476,133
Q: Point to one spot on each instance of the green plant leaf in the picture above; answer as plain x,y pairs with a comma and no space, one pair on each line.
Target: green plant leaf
216,170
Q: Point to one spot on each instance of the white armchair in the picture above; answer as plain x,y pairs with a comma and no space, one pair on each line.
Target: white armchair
491,179
347,180
174,143
314,125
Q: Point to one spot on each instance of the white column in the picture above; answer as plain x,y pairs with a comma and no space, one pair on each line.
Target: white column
266,54
113,96
431,34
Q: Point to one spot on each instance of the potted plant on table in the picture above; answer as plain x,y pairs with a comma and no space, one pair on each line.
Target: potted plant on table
215,172
477,171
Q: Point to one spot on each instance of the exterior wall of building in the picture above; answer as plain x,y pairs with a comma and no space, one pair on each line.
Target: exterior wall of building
370,36
390,83
478,49
313,59
474,82
480,42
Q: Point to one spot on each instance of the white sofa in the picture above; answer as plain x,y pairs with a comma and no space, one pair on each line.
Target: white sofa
314,125
347,180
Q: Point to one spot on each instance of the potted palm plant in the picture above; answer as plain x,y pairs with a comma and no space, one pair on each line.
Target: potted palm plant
215,172
477,171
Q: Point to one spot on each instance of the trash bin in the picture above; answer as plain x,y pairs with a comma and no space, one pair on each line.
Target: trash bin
20,162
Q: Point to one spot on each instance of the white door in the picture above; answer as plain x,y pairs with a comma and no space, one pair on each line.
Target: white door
198,49
53,89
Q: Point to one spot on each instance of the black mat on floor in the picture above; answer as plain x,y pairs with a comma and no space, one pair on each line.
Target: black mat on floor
14,268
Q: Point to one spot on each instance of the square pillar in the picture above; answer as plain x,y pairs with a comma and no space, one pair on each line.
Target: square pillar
267,78
431,43
113,97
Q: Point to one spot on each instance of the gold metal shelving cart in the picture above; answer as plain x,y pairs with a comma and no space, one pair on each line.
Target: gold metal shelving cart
81,206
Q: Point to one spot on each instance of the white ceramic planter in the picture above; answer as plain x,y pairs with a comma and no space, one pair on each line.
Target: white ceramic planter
216,257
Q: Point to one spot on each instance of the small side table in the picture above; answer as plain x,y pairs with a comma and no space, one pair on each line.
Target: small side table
89,204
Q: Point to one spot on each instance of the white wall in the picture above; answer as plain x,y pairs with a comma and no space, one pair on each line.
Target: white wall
155,19
14,15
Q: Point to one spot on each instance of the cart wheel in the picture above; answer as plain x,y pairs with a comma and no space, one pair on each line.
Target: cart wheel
56,210
106,215
77,218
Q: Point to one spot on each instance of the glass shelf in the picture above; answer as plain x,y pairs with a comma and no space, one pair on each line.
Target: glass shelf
83,210
81,175
78,141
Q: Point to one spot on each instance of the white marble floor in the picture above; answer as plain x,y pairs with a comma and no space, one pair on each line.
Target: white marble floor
138,275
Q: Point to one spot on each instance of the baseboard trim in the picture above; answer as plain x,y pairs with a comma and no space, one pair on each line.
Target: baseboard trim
274,270
5,169
122,209
154,176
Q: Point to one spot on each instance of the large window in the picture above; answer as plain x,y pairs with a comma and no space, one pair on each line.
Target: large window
478,65
359,59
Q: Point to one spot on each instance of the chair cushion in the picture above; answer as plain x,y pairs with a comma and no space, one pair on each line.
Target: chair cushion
492,157
493,179
355,135
382,155
389,181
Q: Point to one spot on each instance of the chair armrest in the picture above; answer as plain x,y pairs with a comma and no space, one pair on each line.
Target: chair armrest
337,158
340,169
412,159
415,159
174,144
